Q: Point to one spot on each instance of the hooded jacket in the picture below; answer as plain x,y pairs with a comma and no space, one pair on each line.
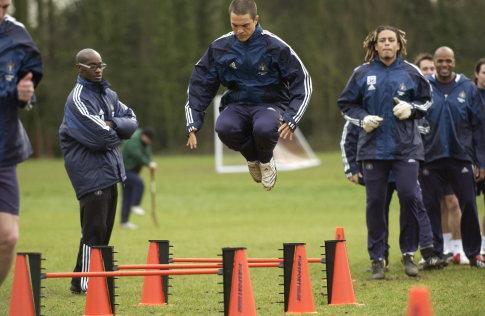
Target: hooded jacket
370,91
263,70
92,156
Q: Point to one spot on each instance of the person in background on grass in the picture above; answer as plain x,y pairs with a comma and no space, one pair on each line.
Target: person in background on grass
389,139
480,83
136,153
94,123
454,151
21,69
450,209
268,91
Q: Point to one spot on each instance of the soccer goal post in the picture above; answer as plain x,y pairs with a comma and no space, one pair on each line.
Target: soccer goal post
289,154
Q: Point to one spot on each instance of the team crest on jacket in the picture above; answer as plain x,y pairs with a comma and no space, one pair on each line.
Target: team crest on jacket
371,81
10,71
263,69
402,89
461,97
369,166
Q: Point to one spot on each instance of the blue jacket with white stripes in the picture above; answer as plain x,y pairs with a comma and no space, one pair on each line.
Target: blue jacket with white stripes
371,91
92,156
263,70
348,147
457,127
18,56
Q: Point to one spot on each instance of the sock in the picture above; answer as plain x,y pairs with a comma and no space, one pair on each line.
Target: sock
457,246
483,243
447,246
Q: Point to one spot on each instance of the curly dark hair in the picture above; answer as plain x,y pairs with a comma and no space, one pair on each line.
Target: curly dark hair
371,40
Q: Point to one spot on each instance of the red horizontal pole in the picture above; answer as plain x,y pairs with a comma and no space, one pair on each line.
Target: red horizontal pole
250,260
191,266
127,273
168,266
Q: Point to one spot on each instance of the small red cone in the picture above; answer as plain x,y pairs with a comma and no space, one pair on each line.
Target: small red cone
241,302
343,288
301,295
152,293
97,299
339,233
419,303
21,301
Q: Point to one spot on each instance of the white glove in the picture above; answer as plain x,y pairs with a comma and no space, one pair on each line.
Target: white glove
402,110
371,122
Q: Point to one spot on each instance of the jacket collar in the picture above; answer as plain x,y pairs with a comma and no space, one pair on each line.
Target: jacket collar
394,63
458,78
255,36
96,86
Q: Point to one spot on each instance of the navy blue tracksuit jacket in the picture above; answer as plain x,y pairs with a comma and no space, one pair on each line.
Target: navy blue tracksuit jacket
92,156
18,56
363,95
263,70
457,127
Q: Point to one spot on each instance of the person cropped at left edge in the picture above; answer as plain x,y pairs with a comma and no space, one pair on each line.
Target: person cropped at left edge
268,91
95,122
21,69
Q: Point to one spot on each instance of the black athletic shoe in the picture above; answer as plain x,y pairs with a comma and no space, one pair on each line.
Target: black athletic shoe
478,261
386,269
76,289
410,267
378,269
448,256
434,261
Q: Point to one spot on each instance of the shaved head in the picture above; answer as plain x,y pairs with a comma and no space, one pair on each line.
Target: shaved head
87,54
444,49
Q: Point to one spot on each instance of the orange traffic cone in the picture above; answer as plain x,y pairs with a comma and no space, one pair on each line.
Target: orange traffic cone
242,299
152,293
339,233
419,303
301,295
97,299
339,281
21,301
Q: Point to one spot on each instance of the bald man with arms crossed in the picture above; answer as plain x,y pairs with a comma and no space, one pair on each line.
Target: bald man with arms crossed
453,147
95,122
21,69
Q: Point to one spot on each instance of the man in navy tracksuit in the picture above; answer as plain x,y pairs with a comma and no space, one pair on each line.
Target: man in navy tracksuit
455,144
94,123
268,91
21,69
348,145
389,138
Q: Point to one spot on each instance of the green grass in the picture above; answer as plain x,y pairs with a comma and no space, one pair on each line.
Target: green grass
201,212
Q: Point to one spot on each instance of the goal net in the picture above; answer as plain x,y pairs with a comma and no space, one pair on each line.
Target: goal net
288,154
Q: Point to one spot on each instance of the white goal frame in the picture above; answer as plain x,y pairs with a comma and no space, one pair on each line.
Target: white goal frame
285,159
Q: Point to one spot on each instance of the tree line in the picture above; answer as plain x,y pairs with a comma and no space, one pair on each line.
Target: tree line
151,47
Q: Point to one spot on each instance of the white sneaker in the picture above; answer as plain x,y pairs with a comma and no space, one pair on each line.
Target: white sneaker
128,225
254,170
268,174
137,210
460,258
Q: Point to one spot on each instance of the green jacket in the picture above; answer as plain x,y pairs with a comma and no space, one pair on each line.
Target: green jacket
136,153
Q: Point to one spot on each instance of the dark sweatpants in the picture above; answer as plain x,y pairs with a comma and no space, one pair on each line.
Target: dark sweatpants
98,211
461,175
425,233
133,188
376,174
251,130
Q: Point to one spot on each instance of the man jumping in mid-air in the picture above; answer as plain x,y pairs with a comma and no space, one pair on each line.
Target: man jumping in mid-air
268,91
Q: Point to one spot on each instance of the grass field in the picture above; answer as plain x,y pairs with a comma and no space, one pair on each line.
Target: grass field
201,212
